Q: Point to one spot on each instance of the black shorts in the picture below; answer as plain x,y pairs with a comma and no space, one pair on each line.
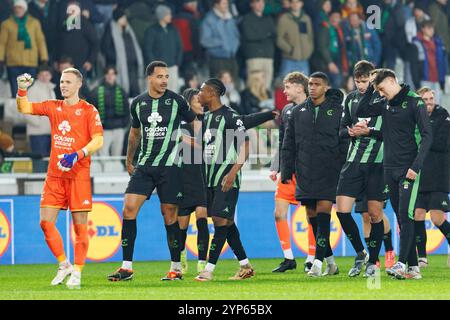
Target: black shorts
194,189
184,212
433,201
168,182
361,206
222,204
362,180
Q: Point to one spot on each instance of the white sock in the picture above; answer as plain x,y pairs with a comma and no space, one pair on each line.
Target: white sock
318,263
330,260
175,266
201,261
288,254
403,265
64,263
244,262
309,258
210,267
127,265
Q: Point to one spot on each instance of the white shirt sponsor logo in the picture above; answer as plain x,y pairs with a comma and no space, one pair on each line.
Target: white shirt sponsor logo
154,118
64,127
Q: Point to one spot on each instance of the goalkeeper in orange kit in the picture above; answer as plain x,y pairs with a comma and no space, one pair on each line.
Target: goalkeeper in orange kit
77,133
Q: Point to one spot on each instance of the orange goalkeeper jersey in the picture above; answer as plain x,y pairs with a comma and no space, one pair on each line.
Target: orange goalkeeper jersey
73,127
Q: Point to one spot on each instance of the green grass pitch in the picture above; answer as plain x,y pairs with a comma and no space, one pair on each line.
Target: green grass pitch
33,282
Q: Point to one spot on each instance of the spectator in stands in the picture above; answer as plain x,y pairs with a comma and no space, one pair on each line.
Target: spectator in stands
331,51
362,43
439,15
256,98
87,9
38,128
64,63
322,13
219,35
112,105
77,39
352,6
258,41
140,17
295,39
412,25
432,56
162,42
190,81
187,23
22,44
347,85
232,97
121,49
273,8
392,33
47,13
413,72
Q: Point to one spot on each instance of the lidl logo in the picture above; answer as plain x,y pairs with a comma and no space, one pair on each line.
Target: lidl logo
5,233
299,227
434,235
191,239
104,226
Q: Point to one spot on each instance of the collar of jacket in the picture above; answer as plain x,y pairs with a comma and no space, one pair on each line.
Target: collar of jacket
332,97
400,97
226,16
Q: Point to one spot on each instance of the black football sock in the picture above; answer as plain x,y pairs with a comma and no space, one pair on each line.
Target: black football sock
421,238
173,241
387,240
313,222
323,235
202,238
234,240
445,229
375,241
217,243
351,230
183,236
129,230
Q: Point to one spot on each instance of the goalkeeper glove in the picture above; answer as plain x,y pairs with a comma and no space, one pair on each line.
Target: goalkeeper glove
68,160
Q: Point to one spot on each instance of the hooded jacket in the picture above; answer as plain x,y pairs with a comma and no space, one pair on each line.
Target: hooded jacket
311,147
435,172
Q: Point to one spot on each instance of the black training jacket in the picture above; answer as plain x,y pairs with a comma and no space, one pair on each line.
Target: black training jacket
311,147
406,127
435,172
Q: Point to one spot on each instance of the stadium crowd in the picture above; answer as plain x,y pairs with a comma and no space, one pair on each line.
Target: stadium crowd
249,44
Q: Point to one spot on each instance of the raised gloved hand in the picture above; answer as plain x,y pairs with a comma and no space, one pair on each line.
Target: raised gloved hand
24,81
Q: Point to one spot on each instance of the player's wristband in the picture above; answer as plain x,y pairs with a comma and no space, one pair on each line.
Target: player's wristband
81,154
21,92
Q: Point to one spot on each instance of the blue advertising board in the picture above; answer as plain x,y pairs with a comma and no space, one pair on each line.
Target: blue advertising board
22,241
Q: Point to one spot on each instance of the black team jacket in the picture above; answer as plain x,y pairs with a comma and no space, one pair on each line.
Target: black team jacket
435,172
311,148
406,127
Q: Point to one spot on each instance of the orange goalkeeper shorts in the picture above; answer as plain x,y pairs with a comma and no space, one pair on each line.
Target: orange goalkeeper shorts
286,192
64,194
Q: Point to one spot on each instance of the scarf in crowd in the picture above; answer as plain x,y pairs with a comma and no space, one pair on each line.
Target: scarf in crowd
22,33
118,101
